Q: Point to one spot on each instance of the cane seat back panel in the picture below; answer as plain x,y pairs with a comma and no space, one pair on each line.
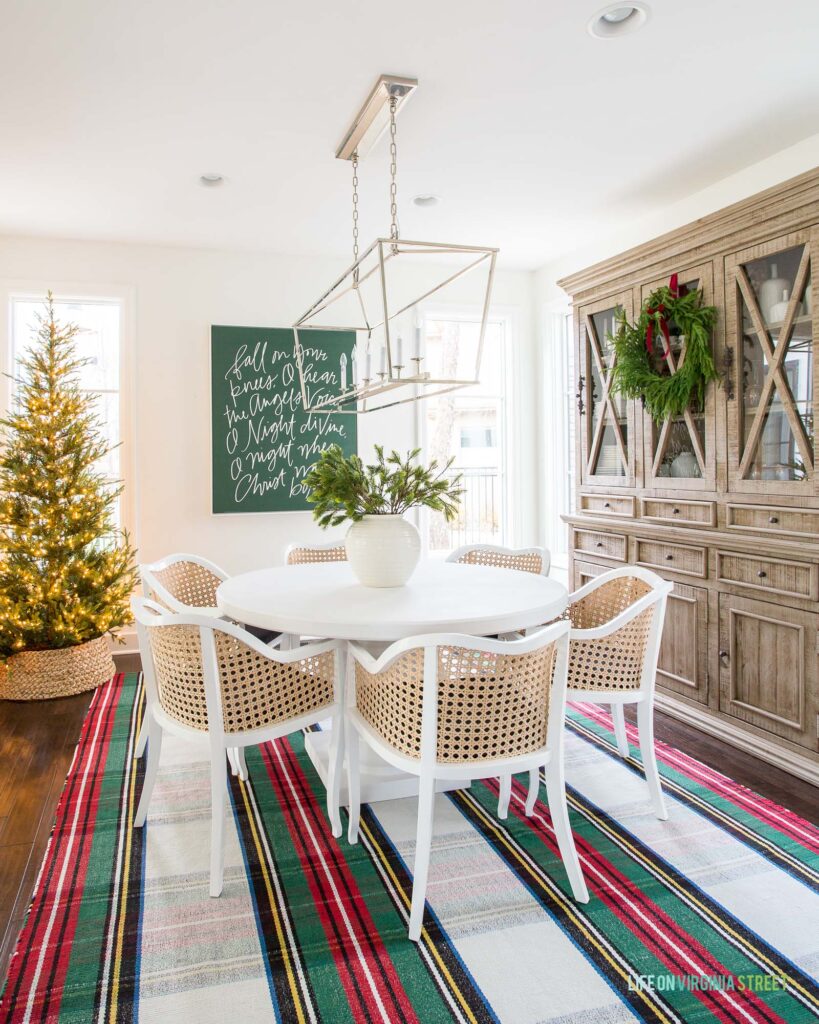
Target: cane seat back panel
255,691
190,583
613,662
490,706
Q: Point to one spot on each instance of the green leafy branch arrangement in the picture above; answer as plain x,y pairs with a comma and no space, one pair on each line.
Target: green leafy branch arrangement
343,488
633,373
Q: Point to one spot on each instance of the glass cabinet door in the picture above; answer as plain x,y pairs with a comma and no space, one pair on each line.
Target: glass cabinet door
606,419
770,323
679,452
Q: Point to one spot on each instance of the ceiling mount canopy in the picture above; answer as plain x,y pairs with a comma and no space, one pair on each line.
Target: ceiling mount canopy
374,117
379,295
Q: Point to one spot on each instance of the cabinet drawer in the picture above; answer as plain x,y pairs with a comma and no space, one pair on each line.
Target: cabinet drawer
681,558
689,513
794,522
621,505
791,579
607,545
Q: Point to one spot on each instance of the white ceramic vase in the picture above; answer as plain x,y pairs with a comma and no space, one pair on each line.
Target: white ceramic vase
770,293
383,551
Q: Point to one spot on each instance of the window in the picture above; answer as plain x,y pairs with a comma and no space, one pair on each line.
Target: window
469,426
98,342
478,437
558,493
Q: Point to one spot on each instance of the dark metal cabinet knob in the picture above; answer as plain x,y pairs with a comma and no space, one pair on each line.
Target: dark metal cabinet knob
675,511
723,655
606,504
669,558
762,574
773,519
600,543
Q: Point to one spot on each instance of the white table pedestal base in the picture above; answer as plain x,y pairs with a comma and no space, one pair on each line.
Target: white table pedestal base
379,780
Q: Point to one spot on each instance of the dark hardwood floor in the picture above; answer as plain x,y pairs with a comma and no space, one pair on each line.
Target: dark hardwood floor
37,742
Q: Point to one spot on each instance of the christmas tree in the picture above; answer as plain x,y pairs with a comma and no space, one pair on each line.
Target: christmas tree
66,572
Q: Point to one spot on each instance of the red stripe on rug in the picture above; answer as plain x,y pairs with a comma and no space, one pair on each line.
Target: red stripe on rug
772,814
354,940
660,933
34,978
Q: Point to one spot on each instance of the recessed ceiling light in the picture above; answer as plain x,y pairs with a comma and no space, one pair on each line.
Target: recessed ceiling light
426,200
211,180
618,20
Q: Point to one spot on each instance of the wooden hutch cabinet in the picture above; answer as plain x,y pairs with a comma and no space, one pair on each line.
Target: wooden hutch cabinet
723,501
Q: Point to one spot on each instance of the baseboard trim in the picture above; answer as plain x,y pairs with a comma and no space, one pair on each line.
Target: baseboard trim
788,760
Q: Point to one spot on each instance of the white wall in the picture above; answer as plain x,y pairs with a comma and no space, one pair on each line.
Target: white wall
616,238
177,293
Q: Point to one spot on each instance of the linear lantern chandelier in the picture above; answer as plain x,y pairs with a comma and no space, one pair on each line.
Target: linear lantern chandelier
379,295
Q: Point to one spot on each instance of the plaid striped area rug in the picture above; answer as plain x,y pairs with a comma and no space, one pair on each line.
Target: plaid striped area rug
712,915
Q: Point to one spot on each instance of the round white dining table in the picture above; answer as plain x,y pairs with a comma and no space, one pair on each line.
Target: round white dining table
325,600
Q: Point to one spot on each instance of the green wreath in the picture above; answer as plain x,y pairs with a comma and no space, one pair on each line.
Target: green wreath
634,375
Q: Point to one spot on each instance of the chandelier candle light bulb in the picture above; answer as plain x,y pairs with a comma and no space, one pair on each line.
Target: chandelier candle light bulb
343,368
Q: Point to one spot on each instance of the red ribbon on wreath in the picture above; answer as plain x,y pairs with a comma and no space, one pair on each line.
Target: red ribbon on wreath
676,291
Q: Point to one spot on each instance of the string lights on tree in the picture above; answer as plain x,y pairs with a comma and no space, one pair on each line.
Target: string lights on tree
66,571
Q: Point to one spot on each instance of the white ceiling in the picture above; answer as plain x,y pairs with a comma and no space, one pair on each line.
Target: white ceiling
534,134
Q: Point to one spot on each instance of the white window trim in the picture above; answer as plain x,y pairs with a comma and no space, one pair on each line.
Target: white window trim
555,429
508,317
71,291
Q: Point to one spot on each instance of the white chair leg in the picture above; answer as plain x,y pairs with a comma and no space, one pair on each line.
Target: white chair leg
504,795
241,763
218,792
353,782
534,789
154,732
645,729
559,810
423,848
335,769
619,720
142,739
233,760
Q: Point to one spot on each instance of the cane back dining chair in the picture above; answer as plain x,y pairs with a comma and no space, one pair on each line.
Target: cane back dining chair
208,675
616,627
186,583
182,583
312,554
450,706
308,554
535,560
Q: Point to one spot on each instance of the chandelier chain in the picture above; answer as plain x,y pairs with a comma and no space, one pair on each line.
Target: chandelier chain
393,168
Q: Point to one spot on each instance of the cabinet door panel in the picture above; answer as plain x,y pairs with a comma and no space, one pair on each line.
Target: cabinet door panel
679,454
770,329
683,664
606,420
768,667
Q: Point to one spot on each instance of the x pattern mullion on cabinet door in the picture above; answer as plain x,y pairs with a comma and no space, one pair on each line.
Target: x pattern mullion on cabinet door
609,409
665,430
775,378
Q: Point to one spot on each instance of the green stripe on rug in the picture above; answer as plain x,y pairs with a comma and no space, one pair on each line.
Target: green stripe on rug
88,954
390,927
